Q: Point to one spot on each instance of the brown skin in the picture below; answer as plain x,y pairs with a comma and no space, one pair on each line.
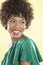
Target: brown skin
16,23
25,63
16,26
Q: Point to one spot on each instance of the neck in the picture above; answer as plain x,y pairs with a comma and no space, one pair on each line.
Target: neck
14,39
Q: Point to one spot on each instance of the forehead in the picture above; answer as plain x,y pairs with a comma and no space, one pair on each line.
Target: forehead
17,17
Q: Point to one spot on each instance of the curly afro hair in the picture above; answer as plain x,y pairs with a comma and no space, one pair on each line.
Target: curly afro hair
16,7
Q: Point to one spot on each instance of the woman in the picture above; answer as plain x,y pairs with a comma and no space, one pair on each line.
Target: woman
16,16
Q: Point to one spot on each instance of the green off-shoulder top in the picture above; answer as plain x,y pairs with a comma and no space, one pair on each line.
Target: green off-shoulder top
24,50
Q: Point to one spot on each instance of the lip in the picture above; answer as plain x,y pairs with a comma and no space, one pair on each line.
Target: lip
16,32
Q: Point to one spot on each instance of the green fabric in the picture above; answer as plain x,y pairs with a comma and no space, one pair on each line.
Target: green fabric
23,50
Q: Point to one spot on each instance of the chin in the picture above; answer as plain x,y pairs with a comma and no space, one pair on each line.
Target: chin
16,36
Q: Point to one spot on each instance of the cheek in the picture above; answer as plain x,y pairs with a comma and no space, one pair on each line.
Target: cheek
22,29
8,27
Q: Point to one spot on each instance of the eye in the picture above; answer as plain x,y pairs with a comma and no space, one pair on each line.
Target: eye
23,22
12,21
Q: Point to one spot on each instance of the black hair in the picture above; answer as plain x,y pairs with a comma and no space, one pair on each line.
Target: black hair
16,7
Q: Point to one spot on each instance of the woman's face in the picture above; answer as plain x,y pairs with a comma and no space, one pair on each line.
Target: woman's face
16,26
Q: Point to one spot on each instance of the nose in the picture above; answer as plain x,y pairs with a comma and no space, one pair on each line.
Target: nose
16,25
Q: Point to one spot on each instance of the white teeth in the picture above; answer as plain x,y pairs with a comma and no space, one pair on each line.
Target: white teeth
16,31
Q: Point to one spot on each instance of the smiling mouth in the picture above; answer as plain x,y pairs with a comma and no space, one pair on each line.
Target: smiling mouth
15,32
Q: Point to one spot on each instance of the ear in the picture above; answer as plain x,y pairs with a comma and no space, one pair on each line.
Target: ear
25,27
5,26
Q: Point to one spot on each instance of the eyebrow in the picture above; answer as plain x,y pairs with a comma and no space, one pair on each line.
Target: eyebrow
15,19
12,19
